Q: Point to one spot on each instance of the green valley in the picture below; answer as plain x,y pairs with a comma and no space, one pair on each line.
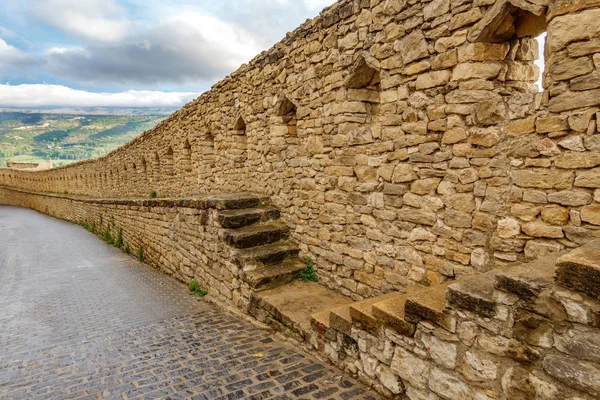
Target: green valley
66,138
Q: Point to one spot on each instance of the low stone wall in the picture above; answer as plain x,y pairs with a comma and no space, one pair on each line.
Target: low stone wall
529,331
180,237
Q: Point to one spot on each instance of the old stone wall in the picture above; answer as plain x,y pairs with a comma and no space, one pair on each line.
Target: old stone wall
180,237
404,141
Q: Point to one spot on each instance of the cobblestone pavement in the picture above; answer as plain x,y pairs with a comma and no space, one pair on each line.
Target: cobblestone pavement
81,320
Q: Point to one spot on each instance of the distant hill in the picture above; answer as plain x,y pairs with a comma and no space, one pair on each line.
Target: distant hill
64,137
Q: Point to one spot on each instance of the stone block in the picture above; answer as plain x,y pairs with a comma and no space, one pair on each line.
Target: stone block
573,372
571,68
413,47
591,214
542,179
539,229
471,70
448,385
580,270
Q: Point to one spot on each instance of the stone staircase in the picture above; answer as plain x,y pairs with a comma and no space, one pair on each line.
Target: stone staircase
578,270
258,240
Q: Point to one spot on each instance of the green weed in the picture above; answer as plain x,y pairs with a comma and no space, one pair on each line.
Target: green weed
195,288
119,238
308,274
140,254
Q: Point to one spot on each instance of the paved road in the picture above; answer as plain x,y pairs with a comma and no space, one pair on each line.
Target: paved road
81,320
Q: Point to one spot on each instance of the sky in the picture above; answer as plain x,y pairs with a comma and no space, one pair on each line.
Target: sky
133,53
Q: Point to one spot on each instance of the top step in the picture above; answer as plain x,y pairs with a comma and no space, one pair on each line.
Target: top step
580,270
529,279
430,304
241,217
234,201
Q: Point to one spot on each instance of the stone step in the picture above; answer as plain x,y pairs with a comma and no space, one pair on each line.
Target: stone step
268,254
391,313
256,235
528,280
579,270
340,319
234,201
246,216
361,312
289,308
430,304
273,276
475,294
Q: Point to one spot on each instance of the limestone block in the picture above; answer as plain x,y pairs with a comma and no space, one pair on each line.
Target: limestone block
410,368
413,47
553,123
580,344
579,122
591,214
417,216
569,28
547,147
589,179
518,71
454,135
403,173
478,368
571,68
432,79
573,100
425,186
528,49
526,211
448,386
483,52
539,229
574,372
508,227
435,9
445,60
577,160
570,198
470,70
490,112
349,41
465,18
520,126
542,179
535,249
573,143
586,82
391,381
555,215
579,49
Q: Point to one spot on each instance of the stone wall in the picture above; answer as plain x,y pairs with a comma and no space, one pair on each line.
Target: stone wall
408,150
529,331
183,238
404,141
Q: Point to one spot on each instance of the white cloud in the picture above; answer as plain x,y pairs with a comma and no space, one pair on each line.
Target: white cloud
43,95
187,48
11,55
97,20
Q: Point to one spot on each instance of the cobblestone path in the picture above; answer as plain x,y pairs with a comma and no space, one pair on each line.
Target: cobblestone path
81,320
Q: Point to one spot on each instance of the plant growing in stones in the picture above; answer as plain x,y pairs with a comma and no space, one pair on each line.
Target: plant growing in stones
308,274
107,236
119,238
153,194
140,254
127,249
195,288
